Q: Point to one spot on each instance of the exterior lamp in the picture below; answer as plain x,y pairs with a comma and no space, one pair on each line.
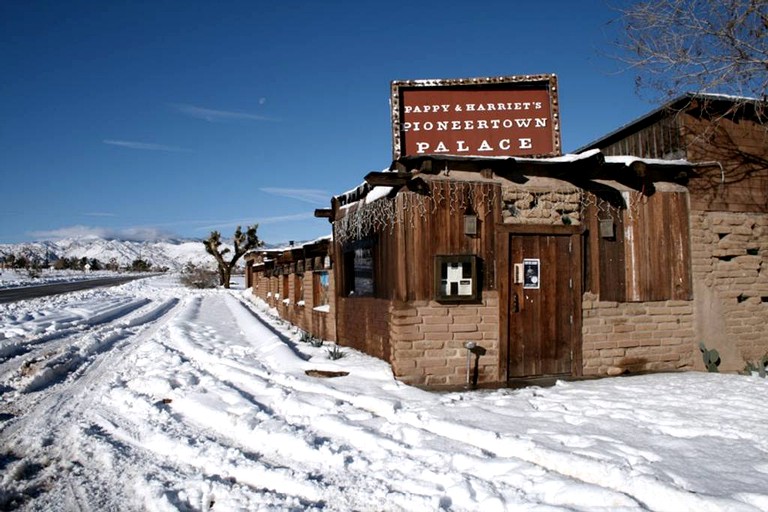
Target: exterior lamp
470,224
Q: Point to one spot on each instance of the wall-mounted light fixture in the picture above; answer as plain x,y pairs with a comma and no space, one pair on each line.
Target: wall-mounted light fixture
470,223
607,228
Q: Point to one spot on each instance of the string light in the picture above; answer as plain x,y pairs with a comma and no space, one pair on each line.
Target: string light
408,208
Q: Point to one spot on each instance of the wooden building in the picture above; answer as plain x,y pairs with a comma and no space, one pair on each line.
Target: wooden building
298,282
727,142
618,259
516,257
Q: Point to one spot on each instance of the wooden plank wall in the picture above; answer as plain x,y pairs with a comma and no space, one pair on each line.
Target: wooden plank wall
428,225
649,258
434,225
657,247
605,266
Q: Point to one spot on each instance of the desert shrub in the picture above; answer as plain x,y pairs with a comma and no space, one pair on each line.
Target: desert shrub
335,353
194,276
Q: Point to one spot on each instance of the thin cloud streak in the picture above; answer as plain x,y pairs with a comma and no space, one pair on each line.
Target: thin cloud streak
145,146
213,115
308,195
99,214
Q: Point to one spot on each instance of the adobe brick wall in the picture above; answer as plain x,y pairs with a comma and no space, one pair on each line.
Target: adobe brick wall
428,341
619,337
320,324
363,324
730,274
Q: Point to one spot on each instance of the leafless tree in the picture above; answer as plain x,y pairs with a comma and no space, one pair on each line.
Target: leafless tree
243,242
698,46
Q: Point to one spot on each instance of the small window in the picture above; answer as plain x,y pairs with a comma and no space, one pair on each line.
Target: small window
456,278
359,270
321,285
298,288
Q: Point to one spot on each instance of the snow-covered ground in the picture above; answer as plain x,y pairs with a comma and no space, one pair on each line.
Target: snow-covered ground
150,396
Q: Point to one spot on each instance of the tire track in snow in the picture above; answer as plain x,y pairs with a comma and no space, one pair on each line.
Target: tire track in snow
52,361
317,419
35,441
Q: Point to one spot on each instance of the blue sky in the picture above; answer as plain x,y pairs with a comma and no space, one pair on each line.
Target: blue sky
136,118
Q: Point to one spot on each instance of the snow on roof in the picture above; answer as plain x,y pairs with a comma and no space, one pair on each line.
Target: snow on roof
299,245
368,194
629,160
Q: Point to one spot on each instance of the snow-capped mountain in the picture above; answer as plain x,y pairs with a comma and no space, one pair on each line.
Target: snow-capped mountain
173,254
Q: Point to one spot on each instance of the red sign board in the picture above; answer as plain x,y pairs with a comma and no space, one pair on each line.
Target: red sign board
506,116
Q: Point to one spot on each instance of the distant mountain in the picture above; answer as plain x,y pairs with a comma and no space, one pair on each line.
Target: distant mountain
173,254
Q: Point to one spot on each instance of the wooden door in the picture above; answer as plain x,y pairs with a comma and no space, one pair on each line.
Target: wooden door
544,305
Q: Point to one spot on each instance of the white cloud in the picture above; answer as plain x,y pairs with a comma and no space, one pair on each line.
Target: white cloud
213,115
137,233
308,195
144,146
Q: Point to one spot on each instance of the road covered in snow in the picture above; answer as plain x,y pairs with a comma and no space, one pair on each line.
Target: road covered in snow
150,396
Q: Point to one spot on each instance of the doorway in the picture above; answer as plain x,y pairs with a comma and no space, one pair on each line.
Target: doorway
543,303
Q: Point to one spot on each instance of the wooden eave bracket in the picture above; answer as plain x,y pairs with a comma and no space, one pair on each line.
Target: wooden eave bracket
388,179
323,213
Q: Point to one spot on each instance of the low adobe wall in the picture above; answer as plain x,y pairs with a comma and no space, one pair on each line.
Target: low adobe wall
321,324
428,341
631,337
363,324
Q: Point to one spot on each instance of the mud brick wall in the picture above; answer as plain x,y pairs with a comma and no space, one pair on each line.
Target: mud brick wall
631,337
428,341
363,324
730,274
321,324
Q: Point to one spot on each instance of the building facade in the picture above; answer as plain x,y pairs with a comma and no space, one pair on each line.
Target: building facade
619,259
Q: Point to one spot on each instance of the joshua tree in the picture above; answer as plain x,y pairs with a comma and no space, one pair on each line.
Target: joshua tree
243,242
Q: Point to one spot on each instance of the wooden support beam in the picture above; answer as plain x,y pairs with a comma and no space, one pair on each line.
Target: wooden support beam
387,179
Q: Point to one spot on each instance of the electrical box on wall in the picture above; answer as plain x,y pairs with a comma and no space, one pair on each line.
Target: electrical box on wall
456,278
517,276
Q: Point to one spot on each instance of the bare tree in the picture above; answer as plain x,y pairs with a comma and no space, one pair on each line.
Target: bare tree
698,46
243,242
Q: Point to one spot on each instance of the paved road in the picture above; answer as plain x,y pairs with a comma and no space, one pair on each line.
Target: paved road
30,292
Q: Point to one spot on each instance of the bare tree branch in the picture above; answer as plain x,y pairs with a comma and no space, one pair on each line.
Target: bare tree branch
698,46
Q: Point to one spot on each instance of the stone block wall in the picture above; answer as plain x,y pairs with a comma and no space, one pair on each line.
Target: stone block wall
428,338
730,274
631,337
527,206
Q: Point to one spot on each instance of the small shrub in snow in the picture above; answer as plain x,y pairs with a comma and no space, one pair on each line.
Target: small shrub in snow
335,353
308,338
194,276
